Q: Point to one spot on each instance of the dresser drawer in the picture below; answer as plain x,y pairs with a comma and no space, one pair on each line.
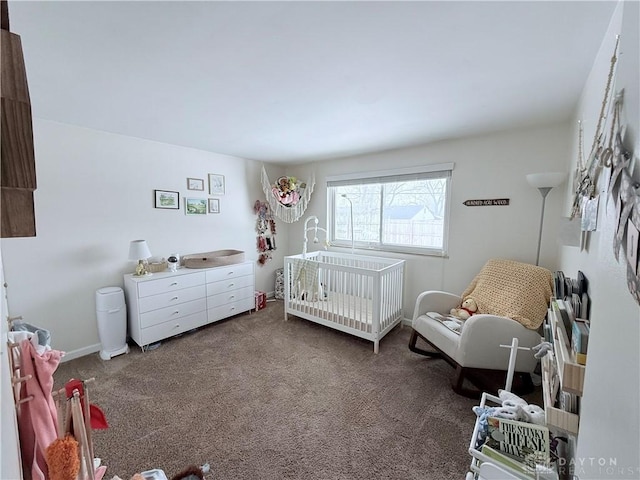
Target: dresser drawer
162,315
230,296
177,282
223,311
229,284
171,328
222,273
168,299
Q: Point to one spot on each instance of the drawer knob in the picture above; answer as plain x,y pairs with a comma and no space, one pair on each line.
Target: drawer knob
231,284
177,325
173,284
232,296
176,312
174,298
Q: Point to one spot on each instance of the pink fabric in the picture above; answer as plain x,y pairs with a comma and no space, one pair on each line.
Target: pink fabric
37,418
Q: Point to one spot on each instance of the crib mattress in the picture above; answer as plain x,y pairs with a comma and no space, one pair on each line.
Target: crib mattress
342,308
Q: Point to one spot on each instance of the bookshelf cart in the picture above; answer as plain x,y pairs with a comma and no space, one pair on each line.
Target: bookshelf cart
559,372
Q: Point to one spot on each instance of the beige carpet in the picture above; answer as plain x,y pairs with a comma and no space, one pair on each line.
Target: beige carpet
260,398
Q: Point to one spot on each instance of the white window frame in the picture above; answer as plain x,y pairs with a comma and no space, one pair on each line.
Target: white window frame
383,176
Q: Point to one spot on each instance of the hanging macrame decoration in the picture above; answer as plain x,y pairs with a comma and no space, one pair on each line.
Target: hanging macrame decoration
288,198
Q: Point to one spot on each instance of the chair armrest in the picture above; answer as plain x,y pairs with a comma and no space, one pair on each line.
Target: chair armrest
482,336
435,301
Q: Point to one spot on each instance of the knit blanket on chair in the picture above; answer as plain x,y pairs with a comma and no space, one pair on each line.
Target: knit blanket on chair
512,289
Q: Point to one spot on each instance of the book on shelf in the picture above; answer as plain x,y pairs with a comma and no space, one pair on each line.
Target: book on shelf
525,442
580,340
564,319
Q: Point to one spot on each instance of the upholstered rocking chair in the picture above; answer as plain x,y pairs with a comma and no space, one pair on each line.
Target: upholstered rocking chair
512,299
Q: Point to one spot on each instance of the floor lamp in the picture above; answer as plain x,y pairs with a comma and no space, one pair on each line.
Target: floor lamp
544,182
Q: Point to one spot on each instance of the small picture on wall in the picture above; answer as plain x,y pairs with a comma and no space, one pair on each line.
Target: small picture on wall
167,199
195,184
216,184
195,206
632,246
214,205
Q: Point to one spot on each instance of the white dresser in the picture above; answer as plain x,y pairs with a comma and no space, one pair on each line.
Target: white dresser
169,303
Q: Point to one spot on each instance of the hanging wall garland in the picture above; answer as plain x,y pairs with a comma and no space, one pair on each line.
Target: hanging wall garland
608,153
288,198
586,176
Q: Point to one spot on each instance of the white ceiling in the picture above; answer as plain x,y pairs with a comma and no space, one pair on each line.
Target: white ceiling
297,81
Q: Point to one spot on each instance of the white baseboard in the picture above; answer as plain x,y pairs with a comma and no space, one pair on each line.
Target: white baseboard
81,352
406,321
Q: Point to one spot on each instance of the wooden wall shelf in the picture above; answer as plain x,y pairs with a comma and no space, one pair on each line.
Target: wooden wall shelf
556,417
571,373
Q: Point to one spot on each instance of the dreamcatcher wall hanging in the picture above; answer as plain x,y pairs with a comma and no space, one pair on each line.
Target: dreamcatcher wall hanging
288,198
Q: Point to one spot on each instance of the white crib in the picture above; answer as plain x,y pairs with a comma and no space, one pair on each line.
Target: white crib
356,294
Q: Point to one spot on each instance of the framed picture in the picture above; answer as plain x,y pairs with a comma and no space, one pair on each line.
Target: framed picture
195,206
214,205
195,184
167,199
216,184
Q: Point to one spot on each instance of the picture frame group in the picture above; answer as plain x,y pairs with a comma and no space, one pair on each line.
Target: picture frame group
170,200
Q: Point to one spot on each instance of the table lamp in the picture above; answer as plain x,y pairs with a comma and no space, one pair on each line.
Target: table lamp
139,252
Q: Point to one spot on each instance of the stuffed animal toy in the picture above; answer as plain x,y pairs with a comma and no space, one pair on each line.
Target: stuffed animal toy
485,412
511,399
468,308
532,414
542,349
525,412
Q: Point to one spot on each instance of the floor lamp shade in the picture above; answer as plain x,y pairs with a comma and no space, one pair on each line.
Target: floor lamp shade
546,180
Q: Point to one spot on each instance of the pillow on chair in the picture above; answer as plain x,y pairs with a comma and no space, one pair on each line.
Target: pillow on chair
512,289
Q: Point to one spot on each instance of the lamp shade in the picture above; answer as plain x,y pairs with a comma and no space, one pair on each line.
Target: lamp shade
546,180
139,250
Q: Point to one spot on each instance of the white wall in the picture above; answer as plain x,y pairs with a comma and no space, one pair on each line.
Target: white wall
490,166
95,195
610,417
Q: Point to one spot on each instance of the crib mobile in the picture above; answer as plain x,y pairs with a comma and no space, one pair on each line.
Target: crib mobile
266,229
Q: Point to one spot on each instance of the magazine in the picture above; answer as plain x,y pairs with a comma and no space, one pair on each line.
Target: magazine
525,442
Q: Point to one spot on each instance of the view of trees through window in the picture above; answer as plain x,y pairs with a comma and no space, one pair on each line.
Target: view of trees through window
398,213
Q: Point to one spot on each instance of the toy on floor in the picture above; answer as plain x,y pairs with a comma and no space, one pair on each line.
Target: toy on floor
190,473
468,308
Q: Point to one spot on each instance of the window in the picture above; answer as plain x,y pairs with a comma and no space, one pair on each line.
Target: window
403,210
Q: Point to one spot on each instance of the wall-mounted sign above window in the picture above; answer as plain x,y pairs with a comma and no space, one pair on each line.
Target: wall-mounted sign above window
494,202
